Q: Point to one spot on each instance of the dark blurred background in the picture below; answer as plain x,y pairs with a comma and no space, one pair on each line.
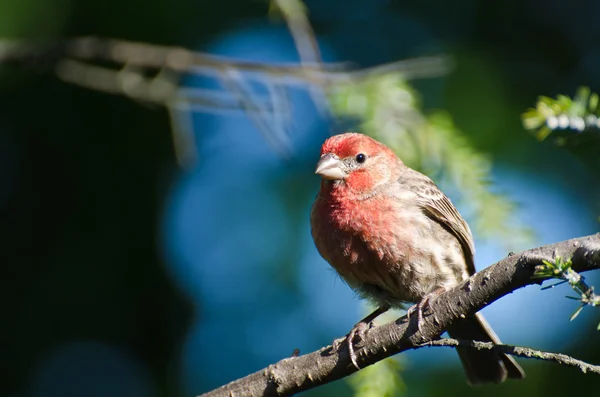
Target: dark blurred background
123,274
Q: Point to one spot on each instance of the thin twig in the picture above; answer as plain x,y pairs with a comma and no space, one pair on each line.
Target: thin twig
516,351
294,13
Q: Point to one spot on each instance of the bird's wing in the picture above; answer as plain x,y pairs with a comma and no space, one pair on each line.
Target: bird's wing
439,208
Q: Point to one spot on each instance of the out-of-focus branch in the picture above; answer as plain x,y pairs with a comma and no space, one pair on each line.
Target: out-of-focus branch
295,374
273,133
181,60
152,73
294,12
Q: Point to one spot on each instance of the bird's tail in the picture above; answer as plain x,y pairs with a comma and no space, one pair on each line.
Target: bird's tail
483,366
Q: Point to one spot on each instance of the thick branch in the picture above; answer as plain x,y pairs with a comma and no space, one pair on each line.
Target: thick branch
295,374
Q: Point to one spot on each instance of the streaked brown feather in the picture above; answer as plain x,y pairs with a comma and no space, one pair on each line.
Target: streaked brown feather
437,206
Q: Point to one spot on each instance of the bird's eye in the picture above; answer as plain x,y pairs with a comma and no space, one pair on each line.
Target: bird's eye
360,158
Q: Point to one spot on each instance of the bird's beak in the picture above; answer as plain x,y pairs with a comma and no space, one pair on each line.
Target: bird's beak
330,167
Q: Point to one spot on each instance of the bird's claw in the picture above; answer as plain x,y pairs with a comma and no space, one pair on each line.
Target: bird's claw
419,307
424,304
357,332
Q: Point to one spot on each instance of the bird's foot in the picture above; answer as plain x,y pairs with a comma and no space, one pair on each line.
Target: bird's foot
424,304
419,307
358,332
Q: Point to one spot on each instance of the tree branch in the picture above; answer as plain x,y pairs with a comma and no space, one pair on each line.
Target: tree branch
182,60
516,351
151,73
295,374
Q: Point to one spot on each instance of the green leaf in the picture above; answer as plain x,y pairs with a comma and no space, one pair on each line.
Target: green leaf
593,103
532,119
576,298
576,313
550,114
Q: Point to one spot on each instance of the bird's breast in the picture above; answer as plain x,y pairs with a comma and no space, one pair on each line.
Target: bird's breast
370,244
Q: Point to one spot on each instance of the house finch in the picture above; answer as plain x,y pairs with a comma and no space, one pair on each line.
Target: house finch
395,238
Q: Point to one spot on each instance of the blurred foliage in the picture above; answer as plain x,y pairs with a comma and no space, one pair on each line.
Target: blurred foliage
389,110
578,115
379,380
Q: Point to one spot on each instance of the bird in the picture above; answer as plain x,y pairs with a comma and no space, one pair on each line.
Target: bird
395,238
